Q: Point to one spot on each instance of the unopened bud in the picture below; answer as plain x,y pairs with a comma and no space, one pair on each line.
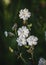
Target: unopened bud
10,49
14,27
11,34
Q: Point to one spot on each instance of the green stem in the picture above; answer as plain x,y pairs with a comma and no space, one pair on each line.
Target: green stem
32,51
22,58
25,22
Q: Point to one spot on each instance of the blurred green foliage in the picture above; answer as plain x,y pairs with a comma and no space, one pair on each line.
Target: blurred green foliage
9,16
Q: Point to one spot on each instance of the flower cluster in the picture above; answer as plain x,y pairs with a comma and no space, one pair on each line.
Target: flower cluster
24,37
23,32
24,14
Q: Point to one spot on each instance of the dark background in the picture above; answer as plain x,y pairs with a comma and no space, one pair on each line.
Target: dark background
9,15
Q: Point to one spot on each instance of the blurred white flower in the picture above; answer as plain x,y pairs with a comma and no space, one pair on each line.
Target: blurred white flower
6,2
24,14
32,40
6,33
42,61
21,41
23,31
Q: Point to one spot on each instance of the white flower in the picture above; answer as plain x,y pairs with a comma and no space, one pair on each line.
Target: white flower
6,33
42,61
21,41
32,40
24,14
23,31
